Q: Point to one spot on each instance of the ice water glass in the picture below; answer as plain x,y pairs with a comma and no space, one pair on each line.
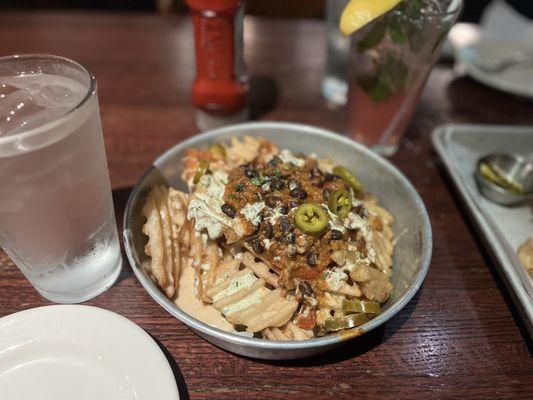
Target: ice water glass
57,220
390,60
335,81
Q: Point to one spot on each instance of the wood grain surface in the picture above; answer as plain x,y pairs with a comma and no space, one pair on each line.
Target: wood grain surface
460,337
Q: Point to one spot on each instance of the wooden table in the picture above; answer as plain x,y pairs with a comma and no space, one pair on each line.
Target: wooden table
460,337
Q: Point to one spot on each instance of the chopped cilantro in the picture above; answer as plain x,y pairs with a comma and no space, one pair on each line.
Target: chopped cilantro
276,173
286,167
232,197
257,181
239,187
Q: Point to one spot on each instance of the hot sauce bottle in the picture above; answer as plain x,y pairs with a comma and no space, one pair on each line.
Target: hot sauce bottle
219,90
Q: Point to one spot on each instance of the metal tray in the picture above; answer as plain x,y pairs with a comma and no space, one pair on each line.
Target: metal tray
503,228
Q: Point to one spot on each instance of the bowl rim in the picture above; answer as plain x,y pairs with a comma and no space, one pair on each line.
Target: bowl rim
326,341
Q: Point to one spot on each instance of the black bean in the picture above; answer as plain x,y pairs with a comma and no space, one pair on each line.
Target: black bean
275,161
311,257
240,327
289,238
277,184
267,229
360,210
284,210
336,235
329,177
294,203
286,224
306,289
229,210
251,172
325,194
251,239
272,201
299,193
258,247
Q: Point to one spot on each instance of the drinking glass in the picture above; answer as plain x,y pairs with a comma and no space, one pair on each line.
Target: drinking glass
57,221
390,60
334,83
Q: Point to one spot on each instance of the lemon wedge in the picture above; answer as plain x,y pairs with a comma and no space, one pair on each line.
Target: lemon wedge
358,13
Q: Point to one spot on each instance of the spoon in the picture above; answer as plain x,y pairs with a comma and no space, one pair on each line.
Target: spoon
515,171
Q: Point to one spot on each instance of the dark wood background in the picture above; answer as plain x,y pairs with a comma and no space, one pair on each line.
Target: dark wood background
460,337
472,9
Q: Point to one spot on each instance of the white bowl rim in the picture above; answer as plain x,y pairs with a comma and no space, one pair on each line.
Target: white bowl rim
326,341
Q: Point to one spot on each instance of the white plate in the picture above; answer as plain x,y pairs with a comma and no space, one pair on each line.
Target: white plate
503,32
73,352
517,80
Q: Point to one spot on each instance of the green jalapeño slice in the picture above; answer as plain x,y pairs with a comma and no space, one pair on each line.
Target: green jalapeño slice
311,218
218,149
349,178
203,166
340,202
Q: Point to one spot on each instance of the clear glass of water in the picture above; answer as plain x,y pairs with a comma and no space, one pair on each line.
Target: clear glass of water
335,81
57,220
390,60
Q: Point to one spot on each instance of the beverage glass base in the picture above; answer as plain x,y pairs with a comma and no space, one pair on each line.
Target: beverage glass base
385,150
86,293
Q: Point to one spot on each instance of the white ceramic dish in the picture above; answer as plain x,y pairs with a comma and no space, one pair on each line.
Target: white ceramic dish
516,81
72,352
412,252
502,33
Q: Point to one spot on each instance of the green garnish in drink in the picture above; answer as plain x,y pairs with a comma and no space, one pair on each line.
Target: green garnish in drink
390,72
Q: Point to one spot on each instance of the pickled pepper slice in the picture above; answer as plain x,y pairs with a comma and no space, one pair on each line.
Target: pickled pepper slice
361,306
340,202
349,178
202,168
218,149
311,218
347,322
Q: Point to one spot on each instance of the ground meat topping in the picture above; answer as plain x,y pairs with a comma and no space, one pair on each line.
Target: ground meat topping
269,194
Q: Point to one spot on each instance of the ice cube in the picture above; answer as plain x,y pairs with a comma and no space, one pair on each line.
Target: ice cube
27,101
13,107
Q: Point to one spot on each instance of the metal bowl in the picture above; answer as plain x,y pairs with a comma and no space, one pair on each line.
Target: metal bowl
412,229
